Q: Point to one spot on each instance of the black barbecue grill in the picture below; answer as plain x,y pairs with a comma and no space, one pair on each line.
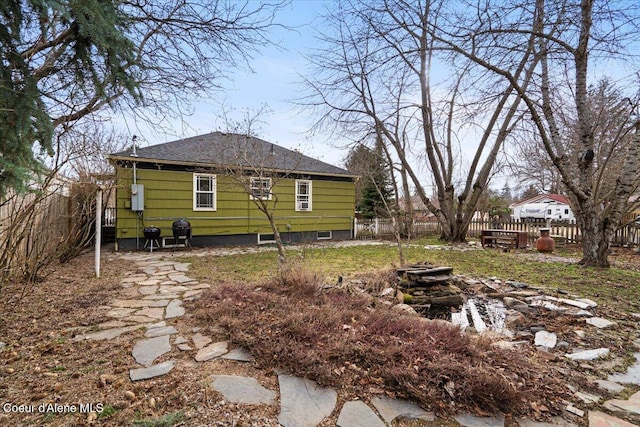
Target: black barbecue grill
181,231
152,234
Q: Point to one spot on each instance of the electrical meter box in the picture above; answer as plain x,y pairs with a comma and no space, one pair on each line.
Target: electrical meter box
137,197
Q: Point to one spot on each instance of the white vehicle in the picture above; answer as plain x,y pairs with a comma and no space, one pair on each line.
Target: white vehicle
560,212
537,212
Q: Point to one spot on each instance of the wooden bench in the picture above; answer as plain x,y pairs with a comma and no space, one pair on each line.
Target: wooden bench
493,237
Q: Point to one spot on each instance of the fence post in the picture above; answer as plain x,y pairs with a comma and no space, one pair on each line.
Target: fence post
355,228
377,225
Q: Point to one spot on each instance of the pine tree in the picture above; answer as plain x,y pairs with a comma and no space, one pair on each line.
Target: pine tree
84,41
373,192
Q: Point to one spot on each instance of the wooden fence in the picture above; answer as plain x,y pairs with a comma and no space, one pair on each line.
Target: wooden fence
629,234
32,227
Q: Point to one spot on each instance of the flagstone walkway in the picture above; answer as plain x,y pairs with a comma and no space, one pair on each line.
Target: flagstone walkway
153,298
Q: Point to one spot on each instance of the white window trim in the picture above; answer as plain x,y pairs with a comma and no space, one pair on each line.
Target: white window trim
269,240
260,180
195,192
329,235
310,183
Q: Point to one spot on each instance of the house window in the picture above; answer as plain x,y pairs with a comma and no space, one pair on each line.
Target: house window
204,192
260,188
266,238
324,235
303,195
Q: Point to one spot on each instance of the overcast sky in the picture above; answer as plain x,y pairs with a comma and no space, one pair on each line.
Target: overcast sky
272,83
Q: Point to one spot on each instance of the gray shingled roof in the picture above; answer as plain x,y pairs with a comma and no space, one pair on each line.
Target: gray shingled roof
228,149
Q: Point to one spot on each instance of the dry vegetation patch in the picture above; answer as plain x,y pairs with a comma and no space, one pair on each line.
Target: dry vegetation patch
295,324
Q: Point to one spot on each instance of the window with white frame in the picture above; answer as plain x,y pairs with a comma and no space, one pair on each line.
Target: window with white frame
303,195
204,192
260,188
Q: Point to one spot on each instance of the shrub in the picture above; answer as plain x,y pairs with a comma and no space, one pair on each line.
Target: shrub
292,324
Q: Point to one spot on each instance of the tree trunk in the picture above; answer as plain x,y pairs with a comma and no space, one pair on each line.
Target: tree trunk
282,256
596,238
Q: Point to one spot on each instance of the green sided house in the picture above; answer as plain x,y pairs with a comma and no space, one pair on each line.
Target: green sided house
213,180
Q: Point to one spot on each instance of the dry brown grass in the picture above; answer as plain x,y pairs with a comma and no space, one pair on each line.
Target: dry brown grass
292,324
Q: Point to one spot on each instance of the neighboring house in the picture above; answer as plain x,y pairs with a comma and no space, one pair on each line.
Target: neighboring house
543,207
197,179
420,210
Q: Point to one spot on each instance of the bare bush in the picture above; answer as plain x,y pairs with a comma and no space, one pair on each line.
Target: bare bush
332,337
33,227
49,225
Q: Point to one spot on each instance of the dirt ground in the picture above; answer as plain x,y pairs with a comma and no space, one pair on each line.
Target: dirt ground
89,380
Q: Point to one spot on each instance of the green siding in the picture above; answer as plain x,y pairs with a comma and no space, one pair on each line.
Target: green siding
168,195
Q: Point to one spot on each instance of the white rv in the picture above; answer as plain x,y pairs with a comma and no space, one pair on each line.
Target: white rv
553,211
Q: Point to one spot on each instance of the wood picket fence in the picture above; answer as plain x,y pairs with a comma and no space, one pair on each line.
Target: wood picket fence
629,234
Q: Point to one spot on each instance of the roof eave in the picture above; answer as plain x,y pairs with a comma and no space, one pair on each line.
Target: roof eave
114,158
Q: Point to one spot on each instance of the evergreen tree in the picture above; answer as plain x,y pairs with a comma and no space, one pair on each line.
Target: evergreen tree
373,191
64,60
79,43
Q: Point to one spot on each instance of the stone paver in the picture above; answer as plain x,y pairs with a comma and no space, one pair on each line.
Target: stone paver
191,294
390,409
163,296
156,332
600,322
587,397
140,319
358,414
600,419
303,403
153,312
632,376
212,351
546,339
132,303
632,405
588,354
120,312
180,278
151,371
112,324
106,334
147,290
468,420
146,351
245,390
558,422
174,309
239,355
200,341
610,386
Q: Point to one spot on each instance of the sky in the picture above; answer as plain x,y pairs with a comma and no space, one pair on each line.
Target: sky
271,83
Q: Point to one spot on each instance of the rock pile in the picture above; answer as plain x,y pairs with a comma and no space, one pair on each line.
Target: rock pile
426,287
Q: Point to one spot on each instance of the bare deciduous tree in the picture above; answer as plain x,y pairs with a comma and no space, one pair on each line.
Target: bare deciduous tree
62,61
374,77
572,36
257,169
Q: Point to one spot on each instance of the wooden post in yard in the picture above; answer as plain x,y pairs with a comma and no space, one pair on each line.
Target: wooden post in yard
98,231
